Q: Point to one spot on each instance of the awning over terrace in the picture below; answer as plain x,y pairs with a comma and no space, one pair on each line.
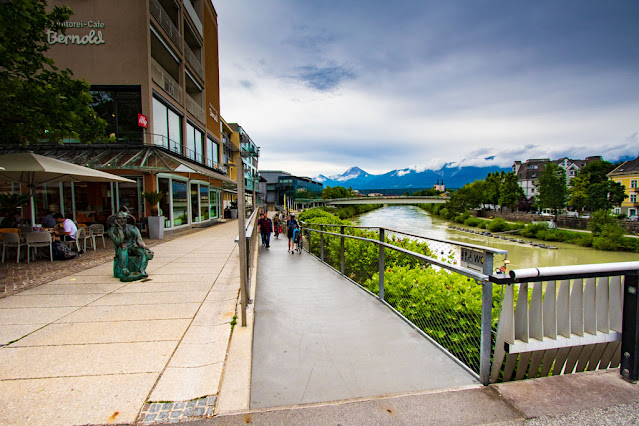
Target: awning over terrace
136,158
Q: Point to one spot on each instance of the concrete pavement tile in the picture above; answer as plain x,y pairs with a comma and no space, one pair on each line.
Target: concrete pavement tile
557,395
151,298
10,333
207,334
211,273
183,384
104,269
87,279
190,355
74,400
107,332
47,300
223,295
215,313
154,286
34,315
178,279
132,312
84,360
74,288
226,287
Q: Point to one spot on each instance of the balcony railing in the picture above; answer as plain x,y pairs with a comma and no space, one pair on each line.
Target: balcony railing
165,22
195,63
194,108
165,81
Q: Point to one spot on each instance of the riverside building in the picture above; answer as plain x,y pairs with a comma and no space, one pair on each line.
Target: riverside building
154,74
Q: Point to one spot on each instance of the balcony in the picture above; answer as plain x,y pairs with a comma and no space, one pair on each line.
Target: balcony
165,81
165,22
192,60
194,108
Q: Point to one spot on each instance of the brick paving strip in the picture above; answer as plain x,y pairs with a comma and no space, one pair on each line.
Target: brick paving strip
173,412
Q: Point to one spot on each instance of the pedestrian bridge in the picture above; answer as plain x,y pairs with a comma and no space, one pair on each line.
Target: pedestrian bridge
384,200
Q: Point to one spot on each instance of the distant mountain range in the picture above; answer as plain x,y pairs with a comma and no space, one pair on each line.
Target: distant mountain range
452,176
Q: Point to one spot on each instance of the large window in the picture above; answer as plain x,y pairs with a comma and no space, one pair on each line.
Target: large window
213,153
180,203
165,204
204,202
167,131
119,106
194,140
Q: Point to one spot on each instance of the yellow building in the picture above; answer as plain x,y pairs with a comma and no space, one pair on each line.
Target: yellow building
627,174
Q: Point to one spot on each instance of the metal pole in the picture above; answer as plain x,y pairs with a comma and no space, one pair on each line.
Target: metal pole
241,213
321,243
341,251
485,348
381,264
629,367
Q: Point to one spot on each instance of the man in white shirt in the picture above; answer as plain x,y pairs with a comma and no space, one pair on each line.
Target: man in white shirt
67,225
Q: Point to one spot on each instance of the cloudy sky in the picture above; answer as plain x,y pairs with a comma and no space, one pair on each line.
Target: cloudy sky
323,85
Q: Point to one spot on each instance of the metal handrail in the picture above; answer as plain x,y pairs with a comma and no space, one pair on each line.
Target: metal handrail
440,240
430,260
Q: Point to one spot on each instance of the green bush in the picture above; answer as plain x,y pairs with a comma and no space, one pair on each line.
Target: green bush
483,224
610,238
472,221
497,225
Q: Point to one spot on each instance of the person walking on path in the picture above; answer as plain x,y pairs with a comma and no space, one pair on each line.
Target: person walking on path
291,225
266,227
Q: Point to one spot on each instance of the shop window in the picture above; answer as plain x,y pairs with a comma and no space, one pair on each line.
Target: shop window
180,200
165,204
195,210
204,203
129,196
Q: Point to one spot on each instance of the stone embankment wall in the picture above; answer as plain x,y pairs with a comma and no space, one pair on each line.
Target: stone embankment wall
562,221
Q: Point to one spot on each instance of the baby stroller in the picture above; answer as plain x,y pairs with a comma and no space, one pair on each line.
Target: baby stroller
298,240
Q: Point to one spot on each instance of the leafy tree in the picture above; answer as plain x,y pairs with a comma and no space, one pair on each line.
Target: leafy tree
329,193
469,196
578,191
37,100
430,192
605,195
510,191
596,171
492,188
599,220
552,190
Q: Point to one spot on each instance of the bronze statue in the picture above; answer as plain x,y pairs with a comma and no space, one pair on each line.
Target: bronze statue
131,254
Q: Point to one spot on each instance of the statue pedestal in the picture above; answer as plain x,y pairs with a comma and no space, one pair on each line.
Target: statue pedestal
156,227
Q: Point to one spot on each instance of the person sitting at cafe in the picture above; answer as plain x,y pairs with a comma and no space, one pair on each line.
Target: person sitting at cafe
67,226
12,220
47,219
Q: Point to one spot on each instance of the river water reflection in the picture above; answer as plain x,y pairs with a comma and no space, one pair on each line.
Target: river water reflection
417,221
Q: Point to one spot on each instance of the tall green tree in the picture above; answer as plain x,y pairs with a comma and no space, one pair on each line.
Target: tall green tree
605,195
38,101
492,188
509,191
552,190
578,191
329,193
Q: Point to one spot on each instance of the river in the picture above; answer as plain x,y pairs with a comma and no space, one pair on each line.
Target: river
417,221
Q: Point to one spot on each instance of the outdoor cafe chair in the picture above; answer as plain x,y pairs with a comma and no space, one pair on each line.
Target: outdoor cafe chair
12,240
97,229
81,237
38,239
25,229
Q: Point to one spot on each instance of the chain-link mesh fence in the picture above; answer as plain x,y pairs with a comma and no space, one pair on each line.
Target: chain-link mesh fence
434,296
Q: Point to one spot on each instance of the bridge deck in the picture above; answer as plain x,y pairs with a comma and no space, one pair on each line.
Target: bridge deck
320,338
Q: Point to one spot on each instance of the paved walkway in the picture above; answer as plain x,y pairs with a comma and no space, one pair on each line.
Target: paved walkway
88,348
320,338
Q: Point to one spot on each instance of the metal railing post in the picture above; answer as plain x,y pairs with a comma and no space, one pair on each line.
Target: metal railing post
341,250
629,367
381,264
485,347
322,243
310,231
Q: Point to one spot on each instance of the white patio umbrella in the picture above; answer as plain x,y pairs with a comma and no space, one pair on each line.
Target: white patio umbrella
34,169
